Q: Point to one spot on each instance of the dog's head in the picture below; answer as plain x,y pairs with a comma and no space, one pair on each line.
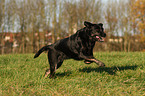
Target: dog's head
95,31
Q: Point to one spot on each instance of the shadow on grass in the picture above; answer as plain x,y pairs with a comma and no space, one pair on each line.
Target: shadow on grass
68,73
110,70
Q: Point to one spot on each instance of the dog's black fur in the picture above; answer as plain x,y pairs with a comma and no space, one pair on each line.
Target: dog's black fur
78,46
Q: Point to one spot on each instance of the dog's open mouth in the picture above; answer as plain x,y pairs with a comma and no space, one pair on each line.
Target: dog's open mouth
101,39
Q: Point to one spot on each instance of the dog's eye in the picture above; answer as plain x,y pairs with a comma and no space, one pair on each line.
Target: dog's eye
97,29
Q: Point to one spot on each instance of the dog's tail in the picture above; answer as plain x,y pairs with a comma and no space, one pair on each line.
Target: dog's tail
45,48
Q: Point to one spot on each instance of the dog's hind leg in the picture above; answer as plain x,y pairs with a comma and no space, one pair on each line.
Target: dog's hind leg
47,72
59,64
53,67
52,57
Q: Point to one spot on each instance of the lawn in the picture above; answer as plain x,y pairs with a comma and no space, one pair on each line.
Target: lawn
123,75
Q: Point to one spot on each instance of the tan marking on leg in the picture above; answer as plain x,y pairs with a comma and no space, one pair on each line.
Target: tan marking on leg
47,73
55,67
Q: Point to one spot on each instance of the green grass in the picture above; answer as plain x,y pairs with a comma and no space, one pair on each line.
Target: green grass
124,75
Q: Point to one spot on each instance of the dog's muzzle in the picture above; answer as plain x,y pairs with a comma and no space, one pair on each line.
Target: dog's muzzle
100,39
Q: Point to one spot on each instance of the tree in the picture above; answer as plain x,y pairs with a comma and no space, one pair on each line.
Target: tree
111,18
76,12
2,23
138,16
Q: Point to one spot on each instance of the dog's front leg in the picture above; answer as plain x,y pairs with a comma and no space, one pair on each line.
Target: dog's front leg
101,64
92,59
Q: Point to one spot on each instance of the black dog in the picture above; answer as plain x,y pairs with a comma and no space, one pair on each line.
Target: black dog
78,46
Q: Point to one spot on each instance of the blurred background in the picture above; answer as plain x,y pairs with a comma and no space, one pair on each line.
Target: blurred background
27,25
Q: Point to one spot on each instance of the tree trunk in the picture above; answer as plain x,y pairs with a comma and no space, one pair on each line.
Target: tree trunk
2,42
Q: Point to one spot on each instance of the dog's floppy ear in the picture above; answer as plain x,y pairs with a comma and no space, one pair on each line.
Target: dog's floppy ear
100,24
87,24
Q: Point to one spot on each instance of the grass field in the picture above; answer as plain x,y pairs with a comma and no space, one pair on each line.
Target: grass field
124,75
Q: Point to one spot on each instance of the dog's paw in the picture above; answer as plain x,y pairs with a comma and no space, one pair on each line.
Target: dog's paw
101,64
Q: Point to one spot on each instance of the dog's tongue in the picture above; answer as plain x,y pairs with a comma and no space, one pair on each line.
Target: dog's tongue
100,39
97,37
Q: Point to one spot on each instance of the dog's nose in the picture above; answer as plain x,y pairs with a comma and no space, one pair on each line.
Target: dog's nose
104,35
